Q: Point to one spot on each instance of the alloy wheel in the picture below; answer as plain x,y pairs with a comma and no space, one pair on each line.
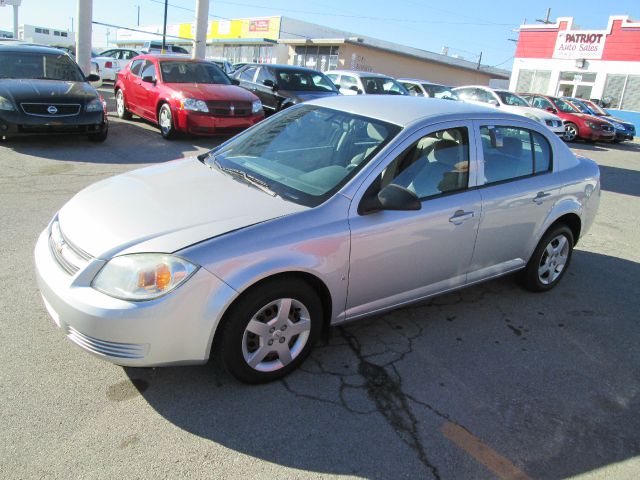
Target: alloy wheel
276,335
553,260
570,132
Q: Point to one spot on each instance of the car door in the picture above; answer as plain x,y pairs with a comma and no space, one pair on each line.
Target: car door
401,256
518,193
266,93
149,90
132,86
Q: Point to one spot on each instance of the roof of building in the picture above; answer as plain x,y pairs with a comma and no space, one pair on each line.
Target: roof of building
404,110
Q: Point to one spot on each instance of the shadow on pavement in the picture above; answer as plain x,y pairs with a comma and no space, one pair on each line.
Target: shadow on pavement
626,146
620,180
550,381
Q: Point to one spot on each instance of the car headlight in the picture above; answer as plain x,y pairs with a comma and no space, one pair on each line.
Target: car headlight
256,107
142,276
94,105
591,125
194,105
6,104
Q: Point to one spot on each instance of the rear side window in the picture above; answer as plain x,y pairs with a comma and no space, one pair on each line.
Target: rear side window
136,66
511,153
247,74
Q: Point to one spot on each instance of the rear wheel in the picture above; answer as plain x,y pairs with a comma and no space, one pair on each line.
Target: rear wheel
550,259
121,107
165,122
570,132
270,331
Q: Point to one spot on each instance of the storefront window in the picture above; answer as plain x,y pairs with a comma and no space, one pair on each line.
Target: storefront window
578,77
533,81
319,58
249,53
622,91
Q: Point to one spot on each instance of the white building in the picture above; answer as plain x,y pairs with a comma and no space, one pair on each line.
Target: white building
46,35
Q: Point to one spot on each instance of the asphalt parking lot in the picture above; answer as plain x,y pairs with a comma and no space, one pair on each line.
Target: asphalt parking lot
488,382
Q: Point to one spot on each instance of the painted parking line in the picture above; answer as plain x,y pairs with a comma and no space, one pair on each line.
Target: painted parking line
483,453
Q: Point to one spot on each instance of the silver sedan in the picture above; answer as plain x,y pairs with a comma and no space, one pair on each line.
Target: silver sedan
327,212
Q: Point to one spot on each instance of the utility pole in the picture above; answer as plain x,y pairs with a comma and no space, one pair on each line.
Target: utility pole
164,28
479,61
202,16
138,7
546,21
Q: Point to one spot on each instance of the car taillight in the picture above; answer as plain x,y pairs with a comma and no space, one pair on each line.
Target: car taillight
108,64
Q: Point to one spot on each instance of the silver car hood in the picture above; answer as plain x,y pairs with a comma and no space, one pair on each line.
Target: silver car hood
164,208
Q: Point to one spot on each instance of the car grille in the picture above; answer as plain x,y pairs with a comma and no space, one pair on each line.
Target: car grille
103,347
607,128
69,257
229,109
52,110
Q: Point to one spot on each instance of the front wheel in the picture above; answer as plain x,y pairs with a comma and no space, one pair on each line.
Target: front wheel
101,136
570,132
165,121
550,260
270,331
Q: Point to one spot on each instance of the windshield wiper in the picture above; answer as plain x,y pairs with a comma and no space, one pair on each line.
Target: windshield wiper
209,160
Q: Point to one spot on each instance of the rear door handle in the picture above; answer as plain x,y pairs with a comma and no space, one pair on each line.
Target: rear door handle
460,216
539,198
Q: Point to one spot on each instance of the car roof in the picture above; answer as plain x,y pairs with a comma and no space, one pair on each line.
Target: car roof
281,66
359,73
418,80
31,48
170,56
403,110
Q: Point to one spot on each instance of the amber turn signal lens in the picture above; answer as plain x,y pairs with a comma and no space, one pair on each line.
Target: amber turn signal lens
163,276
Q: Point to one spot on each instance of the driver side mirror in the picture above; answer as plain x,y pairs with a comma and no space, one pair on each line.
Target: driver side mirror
271,84
551,109
92,77
355,89
235,81
149,79
391,197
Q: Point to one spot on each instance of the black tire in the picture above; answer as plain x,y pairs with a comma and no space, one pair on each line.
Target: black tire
571,132
167,131
100,137
123,113
531,277
230,342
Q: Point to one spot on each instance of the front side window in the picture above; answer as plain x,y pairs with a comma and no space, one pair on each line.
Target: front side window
304,81
413,89
511,153
263,75
382,86
247,74
438,163
543,103
149,70
565,107
39,66
347,81
466,93
306,153
509,98
192,72
440,91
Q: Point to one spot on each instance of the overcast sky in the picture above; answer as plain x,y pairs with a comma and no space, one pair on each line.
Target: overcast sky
467,27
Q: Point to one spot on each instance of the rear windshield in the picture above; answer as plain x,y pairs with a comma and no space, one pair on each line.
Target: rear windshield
304,81
192,72
39,66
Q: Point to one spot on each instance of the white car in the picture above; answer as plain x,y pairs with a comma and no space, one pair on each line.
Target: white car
112,61
509,102
350,82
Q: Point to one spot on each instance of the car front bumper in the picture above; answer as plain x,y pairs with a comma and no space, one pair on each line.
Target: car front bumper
174,329
14,123
205,124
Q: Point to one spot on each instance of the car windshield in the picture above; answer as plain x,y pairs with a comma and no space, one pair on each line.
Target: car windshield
306,153
383,86
597,110
565,107
509,98
304,81
439,91
39,66
192,72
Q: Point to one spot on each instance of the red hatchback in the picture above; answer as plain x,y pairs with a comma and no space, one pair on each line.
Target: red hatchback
576,124
184,95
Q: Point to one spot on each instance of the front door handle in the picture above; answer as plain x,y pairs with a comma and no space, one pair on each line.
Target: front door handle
539,198
460,216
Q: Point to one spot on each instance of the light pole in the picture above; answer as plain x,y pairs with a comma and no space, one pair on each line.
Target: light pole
138,7
164,28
